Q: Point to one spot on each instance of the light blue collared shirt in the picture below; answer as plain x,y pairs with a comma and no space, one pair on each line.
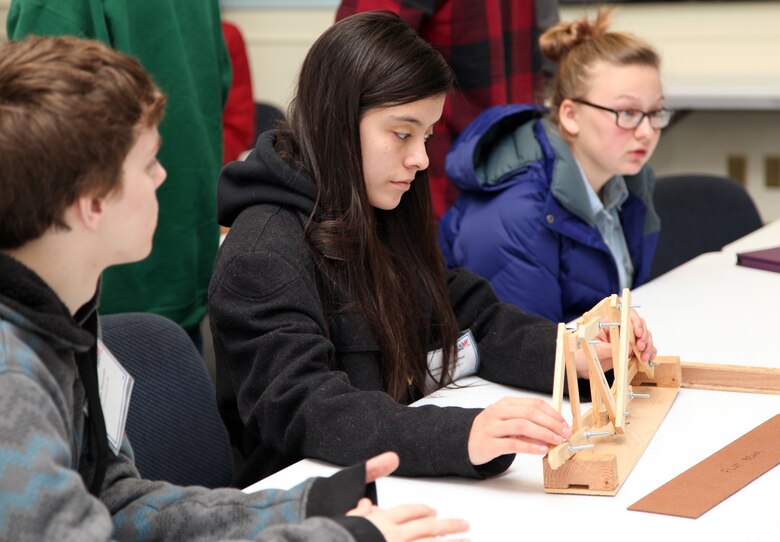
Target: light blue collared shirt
607,218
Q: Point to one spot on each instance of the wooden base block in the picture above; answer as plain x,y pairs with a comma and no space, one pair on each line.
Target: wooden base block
667,374
602,469
595,474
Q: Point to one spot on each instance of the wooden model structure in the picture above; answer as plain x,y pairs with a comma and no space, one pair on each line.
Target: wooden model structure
608,440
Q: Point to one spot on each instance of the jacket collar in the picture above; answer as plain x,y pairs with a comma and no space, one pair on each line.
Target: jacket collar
568,185
569,188
27,301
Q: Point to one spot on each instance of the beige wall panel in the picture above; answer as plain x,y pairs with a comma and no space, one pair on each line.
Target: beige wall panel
701,142
3,14
277,42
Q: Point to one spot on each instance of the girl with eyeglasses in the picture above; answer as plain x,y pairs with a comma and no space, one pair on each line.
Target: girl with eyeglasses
556,208
330,305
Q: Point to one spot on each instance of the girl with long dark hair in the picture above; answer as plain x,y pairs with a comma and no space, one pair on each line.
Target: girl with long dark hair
331,309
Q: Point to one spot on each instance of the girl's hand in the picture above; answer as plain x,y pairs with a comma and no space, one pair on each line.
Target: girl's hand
644,339
644,343
515,425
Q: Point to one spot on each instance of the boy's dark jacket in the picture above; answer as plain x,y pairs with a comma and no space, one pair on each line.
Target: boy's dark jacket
292,384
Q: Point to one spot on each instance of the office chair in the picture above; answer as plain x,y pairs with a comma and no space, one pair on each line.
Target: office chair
173,423
266,117
699,213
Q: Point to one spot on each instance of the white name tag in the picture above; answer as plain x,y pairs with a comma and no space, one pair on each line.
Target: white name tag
116,384
466,362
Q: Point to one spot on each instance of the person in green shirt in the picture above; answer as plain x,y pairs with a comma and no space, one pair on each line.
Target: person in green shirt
180,43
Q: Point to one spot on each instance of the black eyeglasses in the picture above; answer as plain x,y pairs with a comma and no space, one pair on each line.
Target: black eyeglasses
630,119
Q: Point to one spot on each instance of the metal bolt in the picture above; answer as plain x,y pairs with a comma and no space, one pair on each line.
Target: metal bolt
651,363
608,324
589,434
594,342
638,395
575,449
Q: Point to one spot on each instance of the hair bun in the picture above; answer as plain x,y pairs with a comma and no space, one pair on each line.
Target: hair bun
556,42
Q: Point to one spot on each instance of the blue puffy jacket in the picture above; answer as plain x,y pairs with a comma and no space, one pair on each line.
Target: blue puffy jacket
522,218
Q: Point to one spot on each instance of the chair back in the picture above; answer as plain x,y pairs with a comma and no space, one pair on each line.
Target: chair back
173,423
266,117
699,213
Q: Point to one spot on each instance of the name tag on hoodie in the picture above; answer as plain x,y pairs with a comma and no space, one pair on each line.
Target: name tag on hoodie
116,384
466,362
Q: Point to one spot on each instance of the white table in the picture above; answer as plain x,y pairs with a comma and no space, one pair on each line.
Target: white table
514,505
708,310
711,310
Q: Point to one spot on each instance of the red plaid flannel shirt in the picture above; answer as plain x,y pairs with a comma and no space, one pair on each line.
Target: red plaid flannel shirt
492,46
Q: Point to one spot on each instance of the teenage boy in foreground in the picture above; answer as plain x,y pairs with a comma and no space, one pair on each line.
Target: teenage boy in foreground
78,176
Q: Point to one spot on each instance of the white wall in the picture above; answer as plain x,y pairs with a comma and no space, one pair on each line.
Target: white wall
277,42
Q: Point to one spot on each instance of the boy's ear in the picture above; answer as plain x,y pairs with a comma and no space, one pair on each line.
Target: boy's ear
89,210
567,118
